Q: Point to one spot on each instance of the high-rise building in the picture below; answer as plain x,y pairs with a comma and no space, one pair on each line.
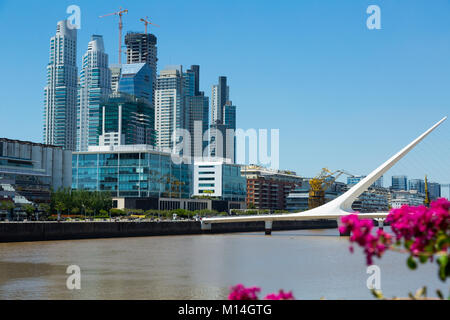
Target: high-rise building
219,97
141,48
125,119
399,183
223,122
95,79
197,107
61,89
136,79
170,109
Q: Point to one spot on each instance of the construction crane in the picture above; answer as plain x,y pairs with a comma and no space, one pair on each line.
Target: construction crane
320,184
427,201
119,13
146,22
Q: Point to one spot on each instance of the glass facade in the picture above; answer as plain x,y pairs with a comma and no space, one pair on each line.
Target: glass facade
234,185
132,174
137,80
136,118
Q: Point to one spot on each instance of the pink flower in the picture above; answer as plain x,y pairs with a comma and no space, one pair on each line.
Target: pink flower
361,233
280,296
239,292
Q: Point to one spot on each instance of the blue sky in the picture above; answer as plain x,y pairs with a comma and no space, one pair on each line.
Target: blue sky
343,96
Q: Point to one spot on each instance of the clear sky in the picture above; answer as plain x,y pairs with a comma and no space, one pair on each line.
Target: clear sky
343,96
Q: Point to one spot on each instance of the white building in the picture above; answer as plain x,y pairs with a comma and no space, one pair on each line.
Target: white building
61,89
402,197
95,85
219,179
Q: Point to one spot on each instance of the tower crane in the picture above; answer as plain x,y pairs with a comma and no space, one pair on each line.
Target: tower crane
320,184
146,22
119,13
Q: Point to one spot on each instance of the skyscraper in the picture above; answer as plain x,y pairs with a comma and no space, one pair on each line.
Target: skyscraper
60,94
141,48
170,111
136,79
95,79
219,97
197,107
223,122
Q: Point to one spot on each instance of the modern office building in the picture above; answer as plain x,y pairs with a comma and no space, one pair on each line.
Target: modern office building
197,107
136,79
28,171
60,94
417,184
355,179
219,179
223,123
125,120
95,86
399,183
141,48
434,190
135,171
268,189
170,109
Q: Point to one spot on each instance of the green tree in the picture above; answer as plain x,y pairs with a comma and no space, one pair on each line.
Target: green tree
29,209
8,206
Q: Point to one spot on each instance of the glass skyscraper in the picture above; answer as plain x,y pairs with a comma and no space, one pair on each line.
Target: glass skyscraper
136,79
61,90
95,86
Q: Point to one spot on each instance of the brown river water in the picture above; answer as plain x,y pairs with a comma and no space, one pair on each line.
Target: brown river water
311,263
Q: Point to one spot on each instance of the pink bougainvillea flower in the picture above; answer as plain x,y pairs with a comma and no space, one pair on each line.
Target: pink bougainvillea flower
281,295
240,292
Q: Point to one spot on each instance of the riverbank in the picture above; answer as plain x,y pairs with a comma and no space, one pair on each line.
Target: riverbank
43,231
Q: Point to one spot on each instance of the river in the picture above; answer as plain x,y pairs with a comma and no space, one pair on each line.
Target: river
313,264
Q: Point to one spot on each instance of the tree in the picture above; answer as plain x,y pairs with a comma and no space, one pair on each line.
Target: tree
8,206
44,208
29,209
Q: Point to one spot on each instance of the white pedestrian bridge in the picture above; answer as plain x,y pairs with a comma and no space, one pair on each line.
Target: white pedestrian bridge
335,209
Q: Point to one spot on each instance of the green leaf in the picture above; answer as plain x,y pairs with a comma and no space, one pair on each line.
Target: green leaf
423,258
439,294
412,264
443,262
